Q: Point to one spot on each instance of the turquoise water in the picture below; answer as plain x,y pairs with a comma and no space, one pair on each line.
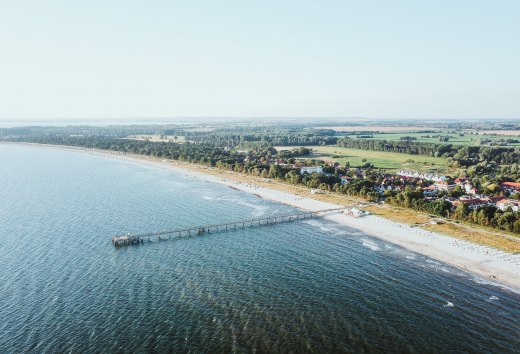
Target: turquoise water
310,286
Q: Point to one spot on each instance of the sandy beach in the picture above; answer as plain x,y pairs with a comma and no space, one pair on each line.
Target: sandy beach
488,263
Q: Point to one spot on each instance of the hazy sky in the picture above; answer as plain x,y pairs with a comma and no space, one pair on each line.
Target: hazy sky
115,58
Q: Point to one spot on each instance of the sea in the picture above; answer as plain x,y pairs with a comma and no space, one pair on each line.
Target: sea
310,286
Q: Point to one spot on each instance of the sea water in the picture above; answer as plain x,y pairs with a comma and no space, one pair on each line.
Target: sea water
309,286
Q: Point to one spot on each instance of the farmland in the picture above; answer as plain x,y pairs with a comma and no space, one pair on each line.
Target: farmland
503,132
378,128
454,137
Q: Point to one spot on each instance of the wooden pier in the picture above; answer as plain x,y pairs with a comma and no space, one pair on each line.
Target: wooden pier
136,239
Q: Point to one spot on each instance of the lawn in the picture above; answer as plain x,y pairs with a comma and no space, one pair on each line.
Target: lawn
380,159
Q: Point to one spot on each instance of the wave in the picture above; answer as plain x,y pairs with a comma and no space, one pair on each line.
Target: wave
371,245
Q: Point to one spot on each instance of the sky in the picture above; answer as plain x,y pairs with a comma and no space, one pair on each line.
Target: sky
151,59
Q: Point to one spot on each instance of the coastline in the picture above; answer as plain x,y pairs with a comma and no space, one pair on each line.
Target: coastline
489,264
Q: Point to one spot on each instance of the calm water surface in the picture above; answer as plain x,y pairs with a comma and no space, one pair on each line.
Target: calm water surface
309,286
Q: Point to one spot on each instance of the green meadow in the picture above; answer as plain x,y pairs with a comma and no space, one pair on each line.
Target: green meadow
380,159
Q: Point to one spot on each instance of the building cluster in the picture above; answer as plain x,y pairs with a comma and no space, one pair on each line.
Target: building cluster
477,202
510,187
421,175
436,186
466,186
433,187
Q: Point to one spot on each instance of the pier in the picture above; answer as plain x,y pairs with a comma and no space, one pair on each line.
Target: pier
136,239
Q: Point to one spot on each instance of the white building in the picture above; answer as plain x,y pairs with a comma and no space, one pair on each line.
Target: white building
422,175
508,203
313,169
444,185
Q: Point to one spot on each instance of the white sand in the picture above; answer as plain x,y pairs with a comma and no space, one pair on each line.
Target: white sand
491,264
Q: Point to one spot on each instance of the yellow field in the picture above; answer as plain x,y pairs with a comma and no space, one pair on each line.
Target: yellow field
501,132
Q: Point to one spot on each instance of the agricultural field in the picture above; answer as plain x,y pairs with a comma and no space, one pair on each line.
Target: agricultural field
455,138
380,159
377,128
502,132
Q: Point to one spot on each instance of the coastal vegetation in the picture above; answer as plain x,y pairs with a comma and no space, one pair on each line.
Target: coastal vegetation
358,167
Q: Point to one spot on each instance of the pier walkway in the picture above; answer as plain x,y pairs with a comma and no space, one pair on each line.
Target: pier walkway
135,239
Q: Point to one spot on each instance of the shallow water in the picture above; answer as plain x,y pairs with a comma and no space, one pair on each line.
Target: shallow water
310,286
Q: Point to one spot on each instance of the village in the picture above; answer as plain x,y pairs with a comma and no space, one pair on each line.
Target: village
458,191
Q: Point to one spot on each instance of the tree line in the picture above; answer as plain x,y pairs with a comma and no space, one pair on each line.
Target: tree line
267,162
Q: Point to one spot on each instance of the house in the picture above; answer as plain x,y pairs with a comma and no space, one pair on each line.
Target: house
469,189
508,203
429,191
473,202
313,169
511,187
444,185
466,185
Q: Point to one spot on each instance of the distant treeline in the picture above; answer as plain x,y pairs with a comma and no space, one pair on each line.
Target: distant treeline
247,137
402,146
462,156
79,130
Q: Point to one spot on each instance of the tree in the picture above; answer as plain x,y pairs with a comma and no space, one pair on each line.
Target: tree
456,192
516,226
293,177
461,211
275,171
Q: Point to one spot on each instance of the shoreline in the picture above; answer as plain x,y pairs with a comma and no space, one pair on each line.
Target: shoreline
498,267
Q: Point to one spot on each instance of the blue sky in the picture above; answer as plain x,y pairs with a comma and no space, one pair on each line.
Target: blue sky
394,59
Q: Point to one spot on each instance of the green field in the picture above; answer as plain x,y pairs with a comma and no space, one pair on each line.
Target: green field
380,159
455,139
